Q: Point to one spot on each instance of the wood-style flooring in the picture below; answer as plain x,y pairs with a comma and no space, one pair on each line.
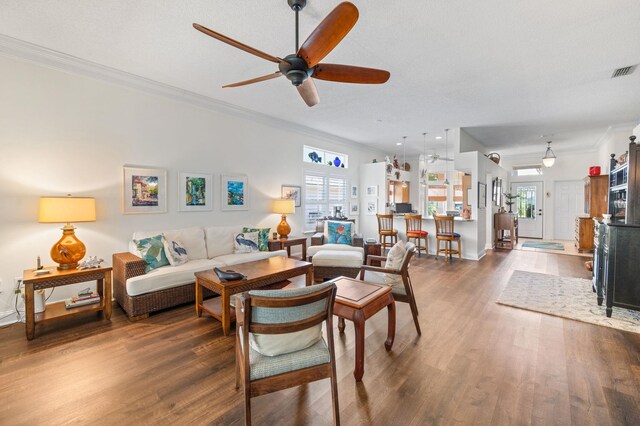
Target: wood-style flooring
477,362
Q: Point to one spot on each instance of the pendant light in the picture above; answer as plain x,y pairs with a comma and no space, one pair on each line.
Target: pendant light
446,156
404,159
423,172
549,157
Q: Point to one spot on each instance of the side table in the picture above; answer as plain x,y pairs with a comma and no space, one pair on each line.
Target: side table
57,278
287,243
358,301
374,249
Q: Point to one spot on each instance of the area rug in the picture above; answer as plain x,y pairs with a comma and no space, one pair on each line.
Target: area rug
543,245
564,297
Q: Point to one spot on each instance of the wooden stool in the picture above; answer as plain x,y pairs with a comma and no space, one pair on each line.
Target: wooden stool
385,229
414,231
444,232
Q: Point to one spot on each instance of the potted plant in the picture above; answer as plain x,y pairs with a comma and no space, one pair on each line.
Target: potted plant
510,200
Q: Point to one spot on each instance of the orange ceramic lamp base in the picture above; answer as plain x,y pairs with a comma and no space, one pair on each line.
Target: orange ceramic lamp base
283,228
69,250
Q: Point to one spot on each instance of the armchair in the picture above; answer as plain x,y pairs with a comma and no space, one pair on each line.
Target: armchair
398,279
319,239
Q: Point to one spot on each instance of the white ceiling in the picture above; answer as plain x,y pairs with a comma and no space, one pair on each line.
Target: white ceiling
506,70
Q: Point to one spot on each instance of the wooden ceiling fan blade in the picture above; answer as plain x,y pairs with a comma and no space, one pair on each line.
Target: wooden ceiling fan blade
309,92
254,80
350,74
223,38
329,33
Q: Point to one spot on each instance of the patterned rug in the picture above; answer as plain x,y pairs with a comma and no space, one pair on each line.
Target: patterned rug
543,245
564,297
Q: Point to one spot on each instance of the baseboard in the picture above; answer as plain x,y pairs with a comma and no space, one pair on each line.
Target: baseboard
10,319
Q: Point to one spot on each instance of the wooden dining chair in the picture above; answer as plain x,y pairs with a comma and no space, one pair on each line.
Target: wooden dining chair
386,230
274,314
414,231
398,279
445,233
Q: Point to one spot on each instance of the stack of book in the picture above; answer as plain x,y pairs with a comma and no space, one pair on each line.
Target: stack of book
86,298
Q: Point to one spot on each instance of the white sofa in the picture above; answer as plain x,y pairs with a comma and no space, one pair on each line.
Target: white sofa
140,293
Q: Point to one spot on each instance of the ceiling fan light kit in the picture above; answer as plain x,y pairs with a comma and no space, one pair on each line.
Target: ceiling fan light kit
301,66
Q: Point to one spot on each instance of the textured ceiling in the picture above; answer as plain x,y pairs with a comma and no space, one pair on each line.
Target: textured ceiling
508,70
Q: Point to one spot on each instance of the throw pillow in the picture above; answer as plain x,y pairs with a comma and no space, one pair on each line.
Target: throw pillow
176,254
152,251
339,232
246,242
394,261
263,237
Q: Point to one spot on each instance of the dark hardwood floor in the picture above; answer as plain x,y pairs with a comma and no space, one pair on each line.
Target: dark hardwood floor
477,362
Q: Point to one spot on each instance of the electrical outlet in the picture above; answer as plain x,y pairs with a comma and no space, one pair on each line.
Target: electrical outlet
17,284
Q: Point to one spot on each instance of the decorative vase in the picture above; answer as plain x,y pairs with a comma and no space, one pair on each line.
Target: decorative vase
606,218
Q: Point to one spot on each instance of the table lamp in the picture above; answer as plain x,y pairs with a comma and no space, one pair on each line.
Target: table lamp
284,207
69,250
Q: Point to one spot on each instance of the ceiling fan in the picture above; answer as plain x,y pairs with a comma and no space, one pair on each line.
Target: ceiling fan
305,63
435,157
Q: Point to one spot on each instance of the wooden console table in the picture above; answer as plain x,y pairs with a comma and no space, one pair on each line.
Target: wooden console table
287,243
56,278
505,222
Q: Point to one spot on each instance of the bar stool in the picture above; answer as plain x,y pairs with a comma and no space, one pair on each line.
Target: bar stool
385,229
445,232
414,231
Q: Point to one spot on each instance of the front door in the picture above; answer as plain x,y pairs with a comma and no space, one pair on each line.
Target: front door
528,207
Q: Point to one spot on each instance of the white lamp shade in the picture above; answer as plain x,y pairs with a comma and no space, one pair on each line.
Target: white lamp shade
284,206
67,209
548,161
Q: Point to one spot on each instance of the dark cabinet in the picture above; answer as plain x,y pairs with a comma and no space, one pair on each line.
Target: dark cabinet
624,188
598,259
621,265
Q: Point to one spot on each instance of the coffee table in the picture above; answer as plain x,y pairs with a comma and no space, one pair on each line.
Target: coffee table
357,301
259,274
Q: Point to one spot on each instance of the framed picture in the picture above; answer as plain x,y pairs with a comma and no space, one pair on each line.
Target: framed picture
234,192
354,191
354,208
292,192
498,192
195,192
372,207
482,195
144,190
372,191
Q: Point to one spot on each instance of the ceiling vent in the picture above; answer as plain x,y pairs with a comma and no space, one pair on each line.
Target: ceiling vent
620,72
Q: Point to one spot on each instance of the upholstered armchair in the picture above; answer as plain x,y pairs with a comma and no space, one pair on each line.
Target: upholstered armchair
319,238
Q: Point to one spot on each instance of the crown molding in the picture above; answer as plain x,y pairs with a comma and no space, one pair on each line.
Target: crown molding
29,52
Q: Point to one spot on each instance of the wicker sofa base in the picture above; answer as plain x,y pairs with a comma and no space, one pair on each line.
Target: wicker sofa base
323,273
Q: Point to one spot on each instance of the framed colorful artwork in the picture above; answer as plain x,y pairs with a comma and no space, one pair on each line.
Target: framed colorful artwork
292,192
234,192
144,190
195,192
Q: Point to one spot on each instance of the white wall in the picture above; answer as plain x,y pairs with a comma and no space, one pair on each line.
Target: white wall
62,133
615,141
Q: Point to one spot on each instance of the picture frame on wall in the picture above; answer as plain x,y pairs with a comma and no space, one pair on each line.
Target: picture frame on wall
288,192
354,191
195,192
372,207
372,191
234,192
144,190
354,208
482,195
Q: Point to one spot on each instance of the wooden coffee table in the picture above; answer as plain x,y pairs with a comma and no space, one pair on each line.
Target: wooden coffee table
357,301
259,274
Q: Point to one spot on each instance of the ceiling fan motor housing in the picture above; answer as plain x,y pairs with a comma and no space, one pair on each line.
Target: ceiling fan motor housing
297,5
295,69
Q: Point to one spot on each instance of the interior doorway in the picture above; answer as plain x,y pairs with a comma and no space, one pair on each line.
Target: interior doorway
528,207
568,203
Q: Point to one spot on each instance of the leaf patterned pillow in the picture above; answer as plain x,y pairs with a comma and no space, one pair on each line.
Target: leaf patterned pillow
152,251
263,237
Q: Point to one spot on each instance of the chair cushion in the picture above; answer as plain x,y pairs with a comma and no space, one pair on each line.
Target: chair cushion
392,280
338,258
395,256
220,239
152,251
311,251
279,344
266,366
448,235
246,242
339,232
168,277
237,258
417,233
